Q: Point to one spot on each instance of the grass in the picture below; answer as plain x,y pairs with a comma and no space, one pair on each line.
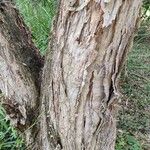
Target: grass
38,16
127,142
134,116
9,139
134,122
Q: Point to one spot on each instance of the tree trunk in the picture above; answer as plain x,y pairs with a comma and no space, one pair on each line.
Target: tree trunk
79,92
20,64
80,81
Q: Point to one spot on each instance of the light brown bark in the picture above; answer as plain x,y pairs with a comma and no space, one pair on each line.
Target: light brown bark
80,87
79,91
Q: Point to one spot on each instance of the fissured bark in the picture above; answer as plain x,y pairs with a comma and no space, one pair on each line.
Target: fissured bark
79,92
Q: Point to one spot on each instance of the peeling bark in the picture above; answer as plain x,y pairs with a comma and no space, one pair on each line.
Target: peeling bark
79,94
80,91
20,65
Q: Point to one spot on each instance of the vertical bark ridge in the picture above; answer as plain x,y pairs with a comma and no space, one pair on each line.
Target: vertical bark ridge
80,80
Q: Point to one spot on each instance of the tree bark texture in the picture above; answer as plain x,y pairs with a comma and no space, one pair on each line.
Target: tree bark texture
91,39
79,92
20,65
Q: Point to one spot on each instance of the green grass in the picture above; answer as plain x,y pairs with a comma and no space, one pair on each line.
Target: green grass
9,139
38,16
134,122
135,113
127,142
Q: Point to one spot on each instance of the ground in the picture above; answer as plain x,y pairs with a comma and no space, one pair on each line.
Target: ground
133,119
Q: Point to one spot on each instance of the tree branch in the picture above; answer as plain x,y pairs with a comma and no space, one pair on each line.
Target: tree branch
20,65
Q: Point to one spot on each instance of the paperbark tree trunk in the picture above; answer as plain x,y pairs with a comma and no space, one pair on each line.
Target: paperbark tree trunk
76,104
